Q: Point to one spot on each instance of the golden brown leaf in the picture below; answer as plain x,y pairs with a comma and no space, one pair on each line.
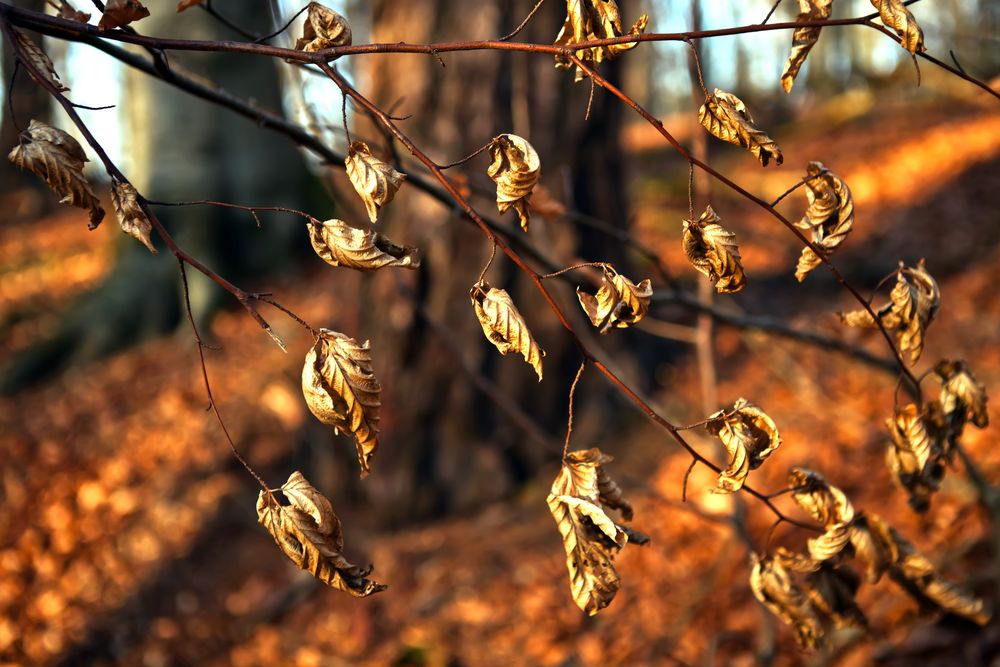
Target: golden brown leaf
58,158
829,506
749,435
503,325
829,217
40,64
726,117
588,20
804,38
131,217
324,29
375,181
963,397
831,591
712,250
340,389
895,15
515,169
70,13
773,586
308,533
618,302
341,245
118,13
591,538
872,543
917,454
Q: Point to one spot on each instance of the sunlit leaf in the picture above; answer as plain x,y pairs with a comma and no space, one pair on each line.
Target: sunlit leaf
712,250
589,20
131,217
618,302
829,217
118,13
504,326
726,117
773,586
515,169
804,38
895,15
749,435
324,29
375,181
963,397
339,244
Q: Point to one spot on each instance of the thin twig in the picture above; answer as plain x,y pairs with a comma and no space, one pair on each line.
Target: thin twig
581,265
467,157
523,23
687,475
798,185
569,421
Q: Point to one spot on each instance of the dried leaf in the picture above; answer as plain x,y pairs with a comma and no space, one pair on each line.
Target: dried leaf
375,181
58,158
712,250
895,15
772,585
873,545
588,20
804,38
38,63
324,29
118,13
917,454
829,506
308,533
829,217
131,217
70,13
341,245
726,117
515,169
503,324
591,538
187,4
749,436
963,397
832,591
340,389
618,302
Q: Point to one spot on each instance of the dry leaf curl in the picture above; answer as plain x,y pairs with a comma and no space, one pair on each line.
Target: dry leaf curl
726,117
618,302
804,38
70,13
503,325
309,534
712,250
773,586
58,158
340,389
827,505
913,456
829,217
895,15
375,181
749,435
963,397
578,500
39,63
324,29
589,20
339,244
131,217
118,13
515,169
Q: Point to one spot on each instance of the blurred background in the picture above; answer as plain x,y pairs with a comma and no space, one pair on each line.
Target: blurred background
129,535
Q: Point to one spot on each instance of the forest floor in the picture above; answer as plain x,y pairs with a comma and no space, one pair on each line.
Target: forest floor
128,534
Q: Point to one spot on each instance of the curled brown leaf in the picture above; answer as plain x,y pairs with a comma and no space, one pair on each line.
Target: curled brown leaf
726,117
829,217
804,38
375,181
339,244
749,435
588,20
40,63
963,397
504,326
515,168
131,217
895,15
618,302
712,250
118,13
70,13
324,29
774,587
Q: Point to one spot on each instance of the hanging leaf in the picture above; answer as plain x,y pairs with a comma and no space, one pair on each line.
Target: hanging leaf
963,397
873,545
749,436
578,500
804,38
773,586
309,534
589,20
918,452
131,217
70,13
515,169
829,217
376,182
324,29
38,62
58,158
340,389
503,324
895,15
829,506
832,592
712,250
618,302
341,245
119,13
726,117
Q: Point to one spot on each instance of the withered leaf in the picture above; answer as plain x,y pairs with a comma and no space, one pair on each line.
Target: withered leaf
70,13
118,13
39,61
831,591
515,169
872,543
804,38
589,20
591,538
503,325
131,217
963,397
726,117
712,250
58,158
308,533
340,389
618,302
749,435
895,15
916,455
829,217
829,506
339,244
773,586
324,29
375,181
